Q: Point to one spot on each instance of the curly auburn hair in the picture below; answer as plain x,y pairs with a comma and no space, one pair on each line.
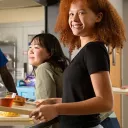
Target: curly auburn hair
110,30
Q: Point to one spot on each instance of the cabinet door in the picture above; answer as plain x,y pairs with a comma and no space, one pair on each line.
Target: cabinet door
115,74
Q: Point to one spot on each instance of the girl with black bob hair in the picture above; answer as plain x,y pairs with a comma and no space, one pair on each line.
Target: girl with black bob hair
51,43
48,60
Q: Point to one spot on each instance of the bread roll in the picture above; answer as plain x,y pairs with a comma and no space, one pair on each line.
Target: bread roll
19,100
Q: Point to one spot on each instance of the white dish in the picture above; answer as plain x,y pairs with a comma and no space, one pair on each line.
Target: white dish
19,118
120,90
23,120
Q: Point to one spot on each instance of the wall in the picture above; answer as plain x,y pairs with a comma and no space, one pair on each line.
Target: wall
21,15
17,24
18,32
52,15
118,4
122,8
125,67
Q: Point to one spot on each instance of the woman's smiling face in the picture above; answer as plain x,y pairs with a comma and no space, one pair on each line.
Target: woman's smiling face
82,19
37,54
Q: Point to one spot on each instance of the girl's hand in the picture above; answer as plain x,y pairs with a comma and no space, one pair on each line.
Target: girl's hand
48,101
41,102
44,113
38,102
44,102
125,87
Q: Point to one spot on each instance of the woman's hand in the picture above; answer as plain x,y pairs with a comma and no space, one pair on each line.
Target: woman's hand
48,101
41,102
125,87
44,113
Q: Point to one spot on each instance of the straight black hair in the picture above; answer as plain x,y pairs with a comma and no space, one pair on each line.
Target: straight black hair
51,43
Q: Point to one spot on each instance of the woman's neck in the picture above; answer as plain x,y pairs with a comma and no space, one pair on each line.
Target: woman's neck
87,39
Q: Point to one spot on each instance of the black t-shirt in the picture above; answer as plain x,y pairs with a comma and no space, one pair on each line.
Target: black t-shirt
77,85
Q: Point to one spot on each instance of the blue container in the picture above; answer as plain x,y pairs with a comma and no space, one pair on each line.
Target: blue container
26,91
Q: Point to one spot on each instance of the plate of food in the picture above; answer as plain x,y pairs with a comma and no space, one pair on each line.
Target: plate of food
16,105
6,116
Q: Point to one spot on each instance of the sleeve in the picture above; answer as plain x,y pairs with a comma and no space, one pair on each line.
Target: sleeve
3,59
97,59
45,84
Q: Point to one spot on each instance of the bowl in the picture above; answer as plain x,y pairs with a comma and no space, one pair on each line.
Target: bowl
6,101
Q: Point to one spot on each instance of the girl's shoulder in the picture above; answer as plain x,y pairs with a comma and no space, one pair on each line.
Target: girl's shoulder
95,47
48,67
45,65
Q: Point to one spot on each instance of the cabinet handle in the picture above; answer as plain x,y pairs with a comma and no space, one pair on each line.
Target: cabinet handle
114,57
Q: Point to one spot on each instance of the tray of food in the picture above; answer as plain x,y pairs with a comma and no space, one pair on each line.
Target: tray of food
15,111
16,105
11,116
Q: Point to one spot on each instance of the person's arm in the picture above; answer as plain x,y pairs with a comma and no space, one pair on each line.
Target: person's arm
97,63
7,79
48,101
102,102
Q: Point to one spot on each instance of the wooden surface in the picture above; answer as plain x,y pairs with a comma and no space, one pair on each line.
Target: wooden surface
26,109
115,74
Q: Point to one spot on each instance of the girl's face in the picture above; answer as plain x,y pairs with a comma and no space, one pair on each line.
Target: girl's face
82,19
37,54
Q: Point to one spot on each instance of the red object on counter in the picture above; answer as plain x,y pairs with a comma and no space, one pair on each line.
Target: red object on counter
7,101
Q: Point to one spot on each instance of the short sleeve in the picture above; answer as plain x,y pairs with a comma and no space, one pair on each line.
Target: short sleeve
45,84
96,58
3,59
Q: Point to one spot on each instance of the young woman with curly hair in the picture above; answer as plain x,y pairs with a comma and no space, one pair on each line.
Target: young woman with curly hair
89,25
